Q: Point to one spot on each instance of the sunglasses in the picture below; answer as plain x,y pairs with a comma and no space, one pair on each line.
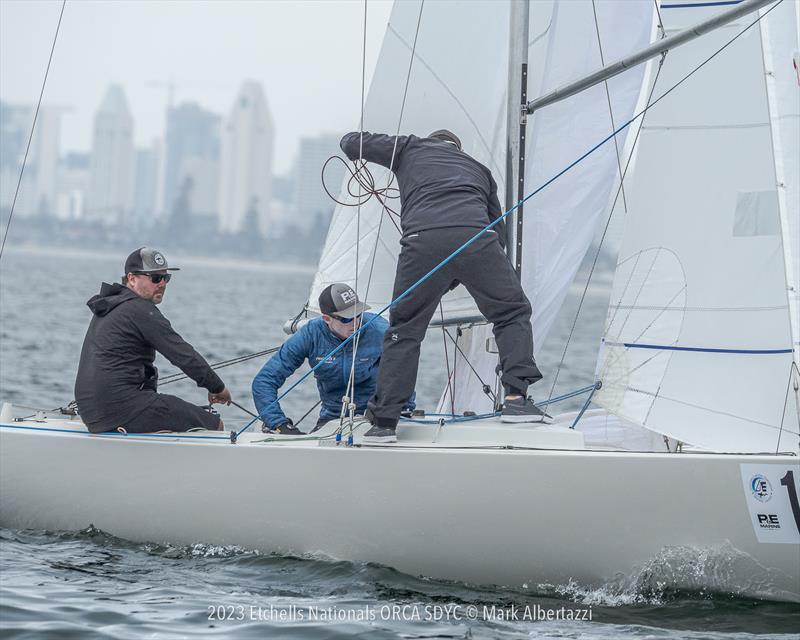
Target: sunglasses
346,320
156,278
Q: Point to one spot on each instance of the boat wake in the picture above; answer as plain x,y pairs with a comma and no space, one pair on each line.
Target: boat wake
676,573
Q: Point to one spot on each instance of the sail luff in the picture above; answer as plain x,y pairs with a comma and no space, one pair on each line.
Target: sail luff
784,114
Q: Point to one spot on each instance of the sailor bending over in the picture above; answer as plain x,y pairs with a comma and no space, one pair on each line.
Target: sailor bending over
446,198
117,380
342,314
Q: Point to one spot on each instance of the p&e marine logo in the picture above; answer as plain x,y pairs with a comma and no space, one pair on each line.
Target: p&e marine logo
761,488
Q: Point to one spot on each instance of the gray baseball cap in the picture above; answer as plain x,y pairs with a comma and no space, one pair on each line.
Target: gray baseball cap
147,260
339,299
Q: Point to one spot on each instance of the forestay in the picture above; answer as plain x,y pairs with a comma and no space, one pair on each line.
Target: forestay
457,82
698,341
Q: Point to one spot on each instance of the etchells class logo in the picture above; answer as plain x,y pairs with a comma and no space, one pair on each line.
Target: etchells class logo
761,488
159,259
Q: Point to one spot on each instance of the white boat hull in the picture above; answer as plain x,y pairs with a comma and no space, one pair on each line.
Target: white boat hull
513,517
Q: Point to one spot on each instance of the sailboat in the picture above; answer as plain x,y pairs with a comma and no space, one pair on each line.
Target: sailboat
687,464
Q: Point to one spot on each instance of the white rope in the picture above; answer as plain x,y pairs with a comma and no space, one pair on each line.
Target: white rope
351,381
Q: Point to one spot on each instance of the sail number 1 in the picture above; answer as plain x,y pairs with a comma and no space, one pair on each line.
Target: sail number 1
788,482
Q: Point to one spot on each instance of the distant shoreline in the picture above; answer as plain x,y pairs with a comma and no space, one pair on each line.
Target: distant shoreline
176,258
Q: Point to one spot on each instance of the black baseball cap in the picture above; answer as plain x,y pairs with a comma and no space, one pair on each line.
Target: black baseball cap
339,299
447,136
147,260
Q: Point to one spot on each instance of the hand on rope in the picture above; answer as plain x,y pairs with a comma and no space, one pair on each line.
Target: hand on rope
361,187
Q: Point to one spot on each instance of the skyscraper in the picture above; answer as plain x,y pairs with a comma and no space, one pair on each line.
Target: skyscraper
310,199
192,150
38,191
246,164
145,184
111,161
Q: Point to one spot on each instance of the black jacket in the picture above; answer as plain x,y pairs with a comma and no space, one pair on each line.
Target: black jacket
116,376
440,186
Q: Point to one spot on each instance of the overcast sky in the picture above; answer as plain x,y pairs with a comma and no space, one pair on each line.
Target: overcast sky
306,54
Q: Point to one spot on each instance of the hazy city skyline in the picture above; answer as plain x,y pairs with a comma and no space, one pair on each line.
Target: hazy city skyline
307,55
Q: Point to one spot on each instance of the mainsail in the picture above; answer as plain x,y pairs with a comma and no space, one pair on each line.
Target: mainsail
461,87
698,341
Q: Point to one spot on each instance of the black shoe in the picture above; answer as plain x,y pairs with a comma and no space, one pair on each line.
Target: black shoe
288,429
380,434
523,410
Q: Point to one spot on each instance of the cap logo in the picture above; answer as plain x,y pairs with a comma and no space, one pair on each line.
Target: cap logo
159,259
348,296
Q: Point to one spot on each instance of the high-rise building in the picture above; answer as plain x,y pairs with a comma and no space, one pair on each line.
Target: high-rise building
73,185
37,194
310,199
192,151
111,160
246,163
146,165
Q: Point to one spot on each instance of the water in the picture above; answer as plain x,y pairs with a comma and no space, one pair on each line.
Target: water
87,583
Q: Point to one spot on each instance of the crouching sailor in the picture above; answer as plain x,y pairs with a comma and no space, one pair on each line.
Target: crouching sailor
117,380
342,315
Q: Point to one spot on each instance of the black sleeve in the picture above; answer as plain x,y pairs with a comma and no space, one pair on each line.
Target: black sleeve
157,330
377,147
495,211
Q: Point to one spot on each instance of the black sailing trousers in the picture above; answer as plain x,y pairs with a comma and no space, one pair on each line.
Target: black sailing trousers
484,269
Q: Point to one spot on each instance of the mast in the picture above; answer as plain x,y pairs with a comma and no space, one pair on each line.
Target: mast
515,124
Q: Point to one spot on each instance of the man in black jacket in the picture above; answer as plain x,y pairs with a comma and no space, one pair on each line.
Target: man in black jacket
117,380
447,197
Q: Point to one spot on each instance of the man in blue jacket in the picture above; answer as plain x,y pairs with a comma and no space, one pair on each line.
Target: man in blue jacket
342,315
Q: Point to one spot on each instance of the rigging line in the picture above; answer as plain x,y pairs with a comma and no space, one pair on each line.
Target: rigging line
499,219
391,179
657,316
643,285
350,391
307,413
605,231
33,128
450,380
458,102
610,109
220,365
660,25
655,396
486,387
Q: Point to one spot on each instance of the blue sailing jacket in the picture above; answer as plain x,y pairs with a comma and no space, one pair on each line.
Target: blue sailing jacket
313,342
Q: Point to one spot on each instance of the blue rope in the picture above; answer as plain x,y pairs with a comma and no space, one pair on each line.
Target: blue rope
441,264
571,394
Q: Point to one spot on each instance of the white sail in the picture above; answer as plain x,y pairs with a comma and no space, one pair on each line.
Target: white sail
460,87
560,221
781,43
698,342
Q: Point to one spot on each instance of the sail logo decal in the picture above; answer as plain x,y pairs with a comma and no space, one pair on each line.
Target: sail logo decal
761,488
772,497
